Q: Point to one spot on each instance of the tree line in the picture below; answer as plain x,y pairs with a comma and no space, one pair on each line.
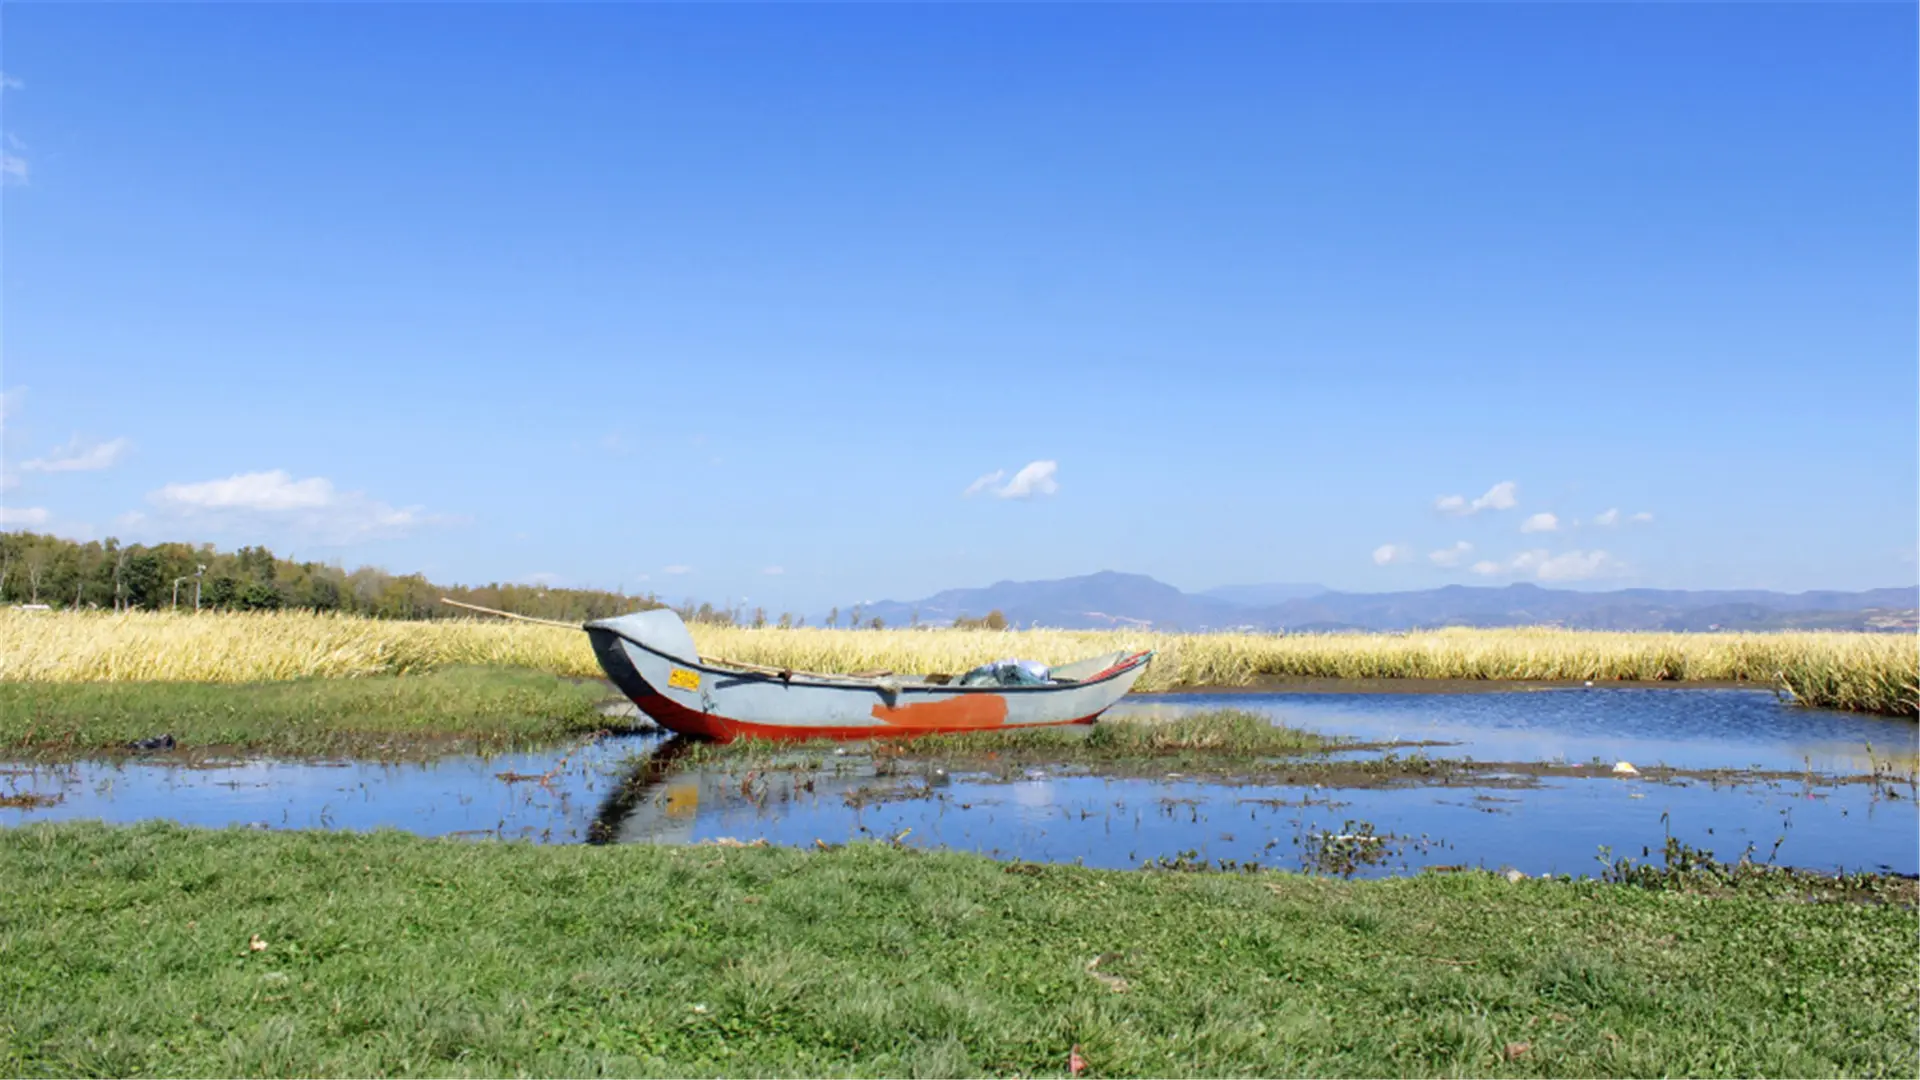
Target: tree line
109,575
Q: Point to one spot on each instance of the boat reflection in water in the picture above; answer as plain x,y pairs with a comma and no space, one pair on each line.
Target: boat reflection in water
812,797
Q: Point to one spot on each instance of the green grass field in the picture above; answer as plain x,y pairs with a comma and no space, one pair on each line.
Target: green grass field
162,950
445,711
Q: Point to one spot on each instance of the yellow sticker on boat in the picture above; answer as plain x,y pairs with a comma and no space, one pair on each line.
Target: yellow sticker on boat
682,679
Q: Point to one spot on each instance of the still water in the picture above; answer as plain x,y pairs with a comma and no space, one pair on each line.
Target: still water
625,790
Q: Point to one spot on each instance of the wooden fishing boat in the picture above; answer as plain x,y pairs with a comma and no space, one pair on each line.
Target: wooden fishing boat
651,657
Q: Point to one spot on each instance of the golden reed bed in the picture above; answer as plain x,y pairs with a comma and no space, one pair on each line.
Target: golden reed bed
1867,672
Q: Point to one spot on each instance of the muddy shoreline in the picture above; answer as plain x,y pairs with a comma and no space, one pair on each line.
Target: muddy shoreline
1326,769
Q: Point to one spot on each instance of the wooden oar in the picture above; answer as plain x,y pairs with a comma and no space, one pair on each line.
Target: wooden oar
785,673
511,615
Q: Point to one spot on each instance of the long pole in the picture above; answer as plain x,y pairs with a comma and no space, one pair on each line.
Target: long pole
863,676
508,614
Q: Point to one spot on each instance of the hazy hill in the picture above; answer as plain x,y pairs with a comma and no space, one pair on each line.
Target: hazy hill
1262,595
1105,599
1110,599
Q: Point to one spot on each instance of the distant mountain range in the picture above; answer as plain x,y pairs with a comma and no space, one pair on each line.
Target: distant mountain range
1109,599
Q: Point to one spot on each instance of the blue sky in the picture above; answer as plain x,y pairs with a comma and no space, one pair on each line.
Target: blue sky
744,301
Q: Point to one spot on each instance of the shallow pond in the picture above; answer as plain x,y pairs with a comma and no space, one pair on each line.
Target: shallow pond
626,790
1683,728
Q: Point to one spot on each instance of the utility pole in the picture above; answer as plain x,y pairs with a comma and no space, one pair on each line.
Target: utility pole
176,591
198,574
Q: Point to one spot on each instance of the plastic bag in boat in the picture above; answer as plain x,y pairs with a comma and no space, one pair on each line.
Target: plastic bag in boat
1007,673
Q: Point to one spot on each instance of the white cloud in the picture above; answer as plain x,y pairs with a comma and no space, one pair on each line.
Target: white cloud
984,483
676,569
263,491
40,519
1489,568
1035,478
311,508
1501,496
1542,564
132,519
1540,522
1391,553
1577,566
13,167
11,400
79,456
774,571
1452,556
1612,518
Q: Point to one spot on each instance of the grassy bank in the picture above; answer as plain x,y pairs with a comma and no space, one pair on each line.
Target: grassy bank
163,950
457,709
1867,672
